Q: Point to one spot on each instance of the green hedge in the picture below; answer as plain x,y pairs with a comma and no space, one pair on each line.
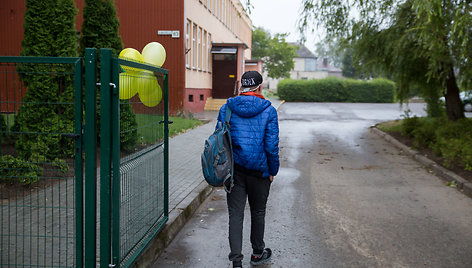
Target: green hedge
15,170
334,89
449,139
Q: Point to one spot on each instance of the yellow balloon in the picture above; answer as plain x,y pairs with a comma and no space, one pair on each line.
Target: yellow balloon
128,85
131,54
152,99
154,54
149,91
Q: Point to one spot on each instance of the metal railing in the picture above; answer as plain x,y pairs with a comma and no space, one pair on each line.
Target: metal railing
41,162
137,178
57,208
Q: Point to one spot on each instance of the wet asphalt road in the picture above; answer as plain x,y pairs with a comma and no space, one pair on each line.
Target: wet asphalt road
343,198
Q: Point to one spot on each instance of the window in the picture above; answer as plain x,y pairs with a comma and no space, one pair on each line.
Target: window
310,64
221,9
194,46
199,56
209,52
205,52
225,12
231,16
201,97
187,45
190,98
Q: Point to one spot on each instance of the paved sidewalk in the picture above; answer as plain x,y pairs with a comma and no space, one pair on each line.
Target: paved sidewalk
184,162
187,187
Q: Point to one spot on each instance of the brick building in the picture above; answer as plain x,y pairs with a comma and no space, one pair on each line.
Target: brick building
208,42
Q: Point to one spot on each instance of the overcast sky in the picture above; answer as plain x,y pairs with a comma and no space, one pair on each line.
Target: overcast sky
280,16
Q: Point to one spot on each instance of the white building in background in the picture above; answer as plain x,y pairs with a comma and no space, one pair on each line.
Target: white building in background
307,66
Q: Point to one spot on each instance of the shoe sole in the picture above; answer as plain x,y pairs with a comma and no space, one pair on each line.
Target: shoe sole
261,262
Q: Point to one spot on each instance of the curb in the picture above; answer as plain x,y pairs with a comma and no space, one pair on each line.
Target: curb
446,175
178,217
282,102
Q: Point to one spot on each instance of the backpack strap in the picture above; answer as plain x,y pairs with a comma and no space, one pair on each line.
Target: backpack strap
228,182
227,114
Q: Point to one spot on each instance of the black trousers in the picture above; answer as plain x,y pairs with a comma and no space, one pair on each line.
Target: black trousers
248,185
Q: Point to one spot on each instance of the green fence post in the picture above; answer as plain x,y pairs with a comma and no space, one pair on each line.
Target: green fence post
90,157
105,156
79,208
166,146
115,123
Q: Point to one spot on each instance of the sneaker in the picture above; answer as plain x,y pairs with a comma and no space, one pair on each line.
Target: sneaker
257,259
237,264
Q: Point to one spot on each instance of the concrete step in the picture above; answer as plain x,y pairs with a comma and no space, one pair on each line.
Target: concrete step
214,104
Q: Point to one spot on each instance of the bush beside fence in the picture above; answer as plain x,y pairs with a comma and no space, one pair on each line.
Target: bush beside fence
334,89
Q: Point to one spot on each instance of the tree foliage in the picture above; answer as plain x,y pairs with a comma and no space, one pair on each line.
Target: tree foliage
100,26
417,43
349,68
49,30
275,51
100,30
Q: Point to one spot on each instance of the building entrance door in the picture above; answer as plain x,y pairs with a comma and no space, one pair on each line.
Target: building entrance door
224,75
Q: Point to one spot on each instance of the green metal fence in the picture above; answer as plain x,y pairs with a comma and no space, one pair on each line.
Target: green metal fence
41,162
57,208
136,170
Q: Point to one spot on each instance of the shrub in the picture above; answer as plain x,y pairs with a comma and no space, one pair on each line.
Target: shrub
454,142
128,128
409,125
99,16
334,89
451,140
13,170
3,128
49,30
425,133
384,90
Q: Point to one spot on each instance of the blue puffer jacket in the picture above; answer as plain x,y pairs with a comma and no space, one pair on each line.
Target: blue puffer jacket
254,133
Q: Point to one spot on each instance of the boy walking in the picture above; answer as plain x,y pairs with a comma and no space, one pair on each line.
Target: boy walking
255,140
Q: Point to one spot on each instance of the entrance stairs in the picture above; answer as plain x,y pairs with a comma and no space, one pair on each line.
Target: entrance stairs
214,104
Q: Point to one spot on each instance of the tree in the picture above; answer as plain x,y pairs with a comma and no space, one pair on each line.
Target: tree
100,26
100,30
348,66
418,43
275,51
49,30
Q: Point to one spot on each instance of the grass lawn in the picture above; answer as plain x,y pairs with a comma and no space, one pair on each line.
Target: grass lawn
181,125
150,130
390,126
9,119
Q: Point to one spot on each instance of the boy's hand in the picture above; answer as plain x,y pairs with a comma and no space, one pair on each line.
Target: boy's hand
271,178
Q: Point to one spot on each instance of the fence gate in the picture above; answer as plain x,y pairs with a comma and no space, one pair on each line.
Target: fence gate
57,208
133,157
41,166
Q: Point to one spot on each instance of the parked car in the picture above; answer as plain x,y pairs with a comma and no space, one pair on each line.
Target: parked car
468,105
466,98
